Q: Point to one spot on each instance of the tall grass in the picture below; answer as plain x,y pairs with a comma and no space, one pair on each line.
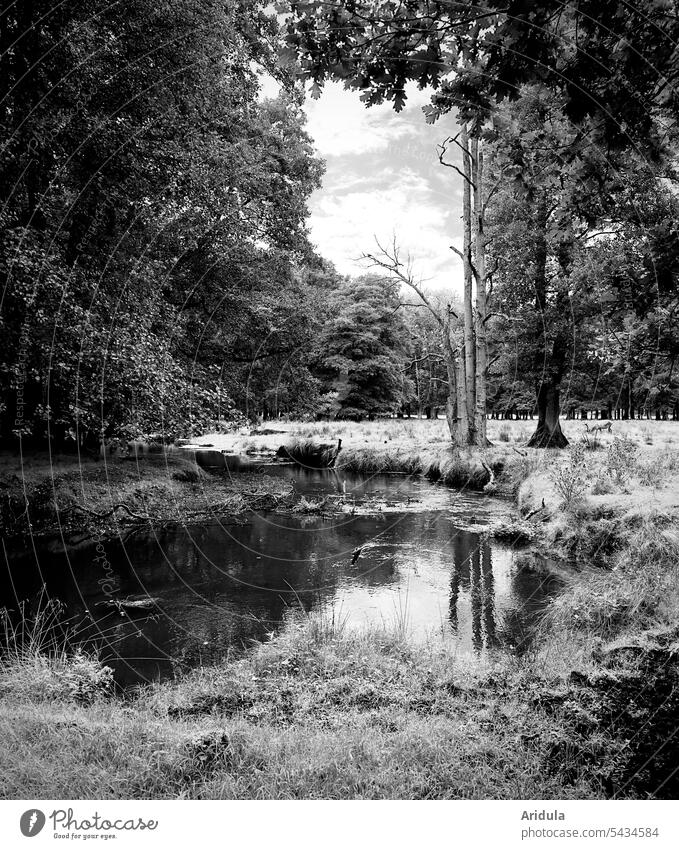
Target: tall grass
40,658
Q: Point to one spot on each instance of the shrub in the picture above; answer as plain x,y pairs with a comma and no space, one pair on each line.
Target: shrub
571,479
187,471
504,434
603,485
621,459
652,473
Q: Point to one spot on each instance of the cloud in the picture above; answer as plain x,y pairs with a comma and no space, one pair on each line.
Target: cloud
383,179
345,226
341,124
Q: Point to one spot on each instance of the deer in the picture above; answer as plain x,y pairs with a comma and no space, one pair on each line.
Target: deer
599,428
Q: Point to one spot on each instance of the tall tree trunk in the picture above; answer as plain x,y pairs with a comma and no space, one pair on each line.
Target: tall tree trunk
550,366
469,346
456,403
481,297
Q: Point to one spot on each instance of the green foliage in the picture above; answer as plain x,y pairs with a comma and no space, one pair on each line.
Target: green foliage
581,52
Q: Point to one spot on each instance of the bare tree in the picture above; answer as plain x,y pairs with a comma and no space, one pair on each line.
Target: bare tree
451,337
476,275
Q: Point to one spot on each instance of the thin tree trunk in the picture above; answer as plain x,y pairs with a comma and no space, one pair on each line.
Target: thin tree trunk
469,346
417,391
481,297
456,403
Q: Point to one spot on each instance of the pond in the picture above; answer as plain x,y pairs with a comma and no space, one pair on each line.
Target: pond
405,553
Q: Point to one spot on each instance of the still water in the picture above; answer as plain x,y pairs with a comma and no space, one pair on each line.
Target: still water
413,559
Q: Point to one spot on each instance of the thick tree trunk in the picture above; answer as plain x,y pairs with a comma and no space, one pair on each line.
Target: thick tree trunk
548,433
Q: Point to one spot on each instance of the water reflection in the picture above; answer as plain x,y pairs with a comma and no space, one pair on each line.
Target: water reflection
219,587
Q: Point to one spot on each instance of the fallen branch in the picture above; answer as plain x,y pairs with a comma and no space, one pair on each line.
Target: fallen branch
110,512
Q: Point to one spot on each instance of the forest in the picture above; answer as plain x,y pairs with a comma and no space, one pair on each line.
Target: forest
157,271
275,530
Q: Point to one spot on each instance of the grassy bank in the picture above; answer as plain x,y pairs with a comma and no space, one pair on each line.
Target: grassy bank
43,495
312,715
439,463
420,447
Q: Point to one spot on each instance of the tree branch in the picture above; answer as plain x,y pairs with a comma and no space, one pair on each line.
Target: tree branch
391,262
442,150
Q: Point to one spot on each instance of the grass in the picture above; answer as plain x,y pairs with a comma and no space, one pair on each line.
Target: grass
323,711
40,659
638,591
313,714
39,494
437,462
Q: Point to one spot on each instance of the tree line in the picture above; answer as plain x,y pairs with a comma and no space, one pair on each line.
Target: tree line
156,270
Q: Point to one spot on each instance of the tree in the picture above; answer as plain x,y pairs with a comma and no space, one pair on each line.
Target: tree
475,57
554,226
605,59
362,349
151,204
426,368
451,338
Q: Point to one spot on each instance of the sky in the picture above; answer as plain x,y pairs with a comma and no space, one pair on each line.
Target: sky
383,178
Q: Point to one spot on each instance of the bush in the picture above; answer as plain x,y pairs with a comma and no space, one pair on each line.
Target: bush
603,486
571,479
621,459
652,473
590,442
